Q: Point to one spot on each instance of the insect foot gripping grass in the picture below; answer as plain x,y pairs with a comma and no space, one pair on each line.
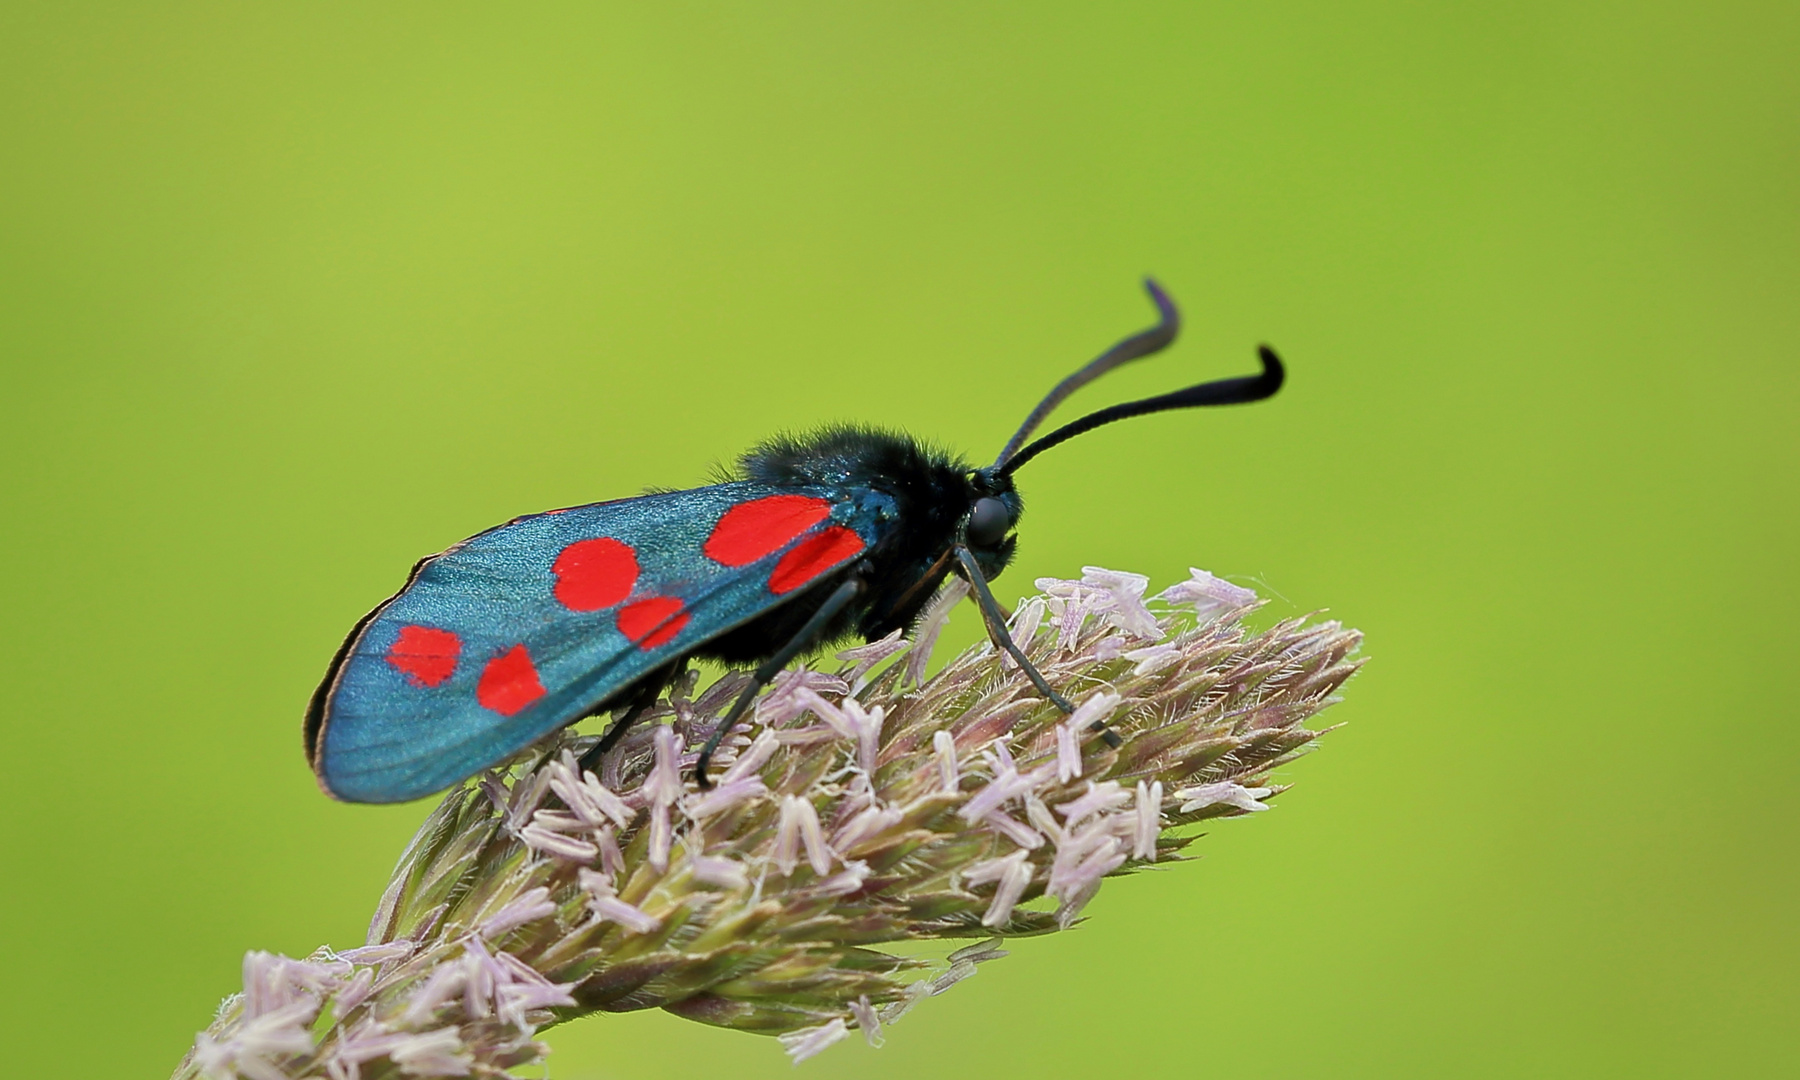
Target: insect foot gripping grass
852,809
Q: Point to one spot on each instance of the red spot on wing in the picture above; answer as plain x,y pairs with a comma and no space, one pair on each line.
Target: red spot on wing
814,556
750,530
594,574
424,654
653,622
509,682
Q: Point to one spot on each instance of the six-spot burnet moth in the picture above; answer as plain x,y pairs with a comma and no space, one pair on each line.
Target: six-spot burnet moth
534,624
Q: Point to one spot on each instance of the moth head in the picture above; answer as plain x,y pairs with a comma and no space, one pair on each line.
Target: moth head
987,525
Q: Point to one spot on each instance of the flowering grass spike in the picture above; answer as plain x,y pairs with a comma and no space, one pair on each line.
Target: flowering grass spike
855,809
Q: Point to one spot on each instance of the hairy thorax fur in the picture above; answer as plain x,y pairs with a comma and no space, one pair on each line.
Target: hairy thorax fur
932,492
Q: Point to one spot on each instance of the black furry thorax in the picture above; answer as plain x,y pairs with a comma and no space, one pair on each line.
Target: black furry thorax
856,455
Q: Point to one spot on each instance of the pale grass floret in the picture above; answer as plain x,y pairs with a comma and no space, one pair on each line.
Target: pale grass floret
1037,812
867,1020
585,796
853,809
1123,603
1211,597
379,953
846,881
612,860
663,786
865,728
751,761
259,1044
481,975
1148,803
1152,658
1106,795
783,703
1068,612
725,873
870,821
1094,710
542,836
603,900
1027,617
1225,793
1115,596
366,1043
931,624
800,824
809,700
809,1042
273,981
1083,856
1068,752
943,747
433,1053
1004,824
1111,647
529,906
446,981
1012,873
525,799
662,836
725,795
352,993
1008,782
864,658
962,965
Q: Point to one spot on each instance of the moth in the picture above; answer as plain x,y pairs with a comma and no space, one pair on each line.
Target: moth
552,617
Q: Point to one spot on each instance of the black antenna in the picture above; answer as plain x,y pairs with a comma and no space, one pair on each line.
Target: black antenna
1221,392
1140,344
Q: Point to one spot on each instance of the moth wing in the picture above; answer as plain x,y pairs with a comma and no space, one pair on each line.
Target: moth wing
525,628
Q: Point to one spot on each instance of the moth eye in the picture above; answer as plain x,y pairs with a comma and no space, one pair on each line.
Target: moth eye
988,522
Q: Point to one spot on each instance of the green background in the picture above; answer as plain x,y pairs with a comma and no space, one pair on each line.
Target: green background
293,294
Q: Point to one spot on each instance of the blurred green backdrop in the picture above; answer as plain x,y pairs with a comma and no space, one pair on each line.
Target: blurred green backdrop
291,295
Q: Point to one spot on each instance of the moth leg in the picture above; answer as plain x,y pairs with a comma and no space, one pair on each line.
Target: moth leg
997,633
840,598
642,700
